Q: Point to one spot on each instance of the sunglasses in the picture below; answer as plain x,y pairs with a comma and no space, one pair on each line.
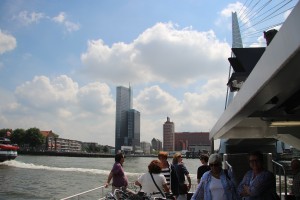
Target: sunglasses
213,165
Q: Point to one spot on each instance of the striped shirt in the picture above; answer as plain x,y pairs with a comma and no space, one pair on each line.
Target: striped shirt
167,173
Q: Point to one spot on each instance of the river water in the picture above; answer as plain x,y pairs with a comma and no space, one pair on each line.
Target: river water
50,177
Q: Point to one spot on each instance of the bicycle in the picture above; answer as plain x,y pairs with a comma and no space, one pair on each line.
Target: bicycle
126,194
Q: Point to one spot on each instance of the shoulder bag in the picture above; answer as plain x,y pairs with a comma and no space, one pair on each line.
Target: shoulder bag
157,186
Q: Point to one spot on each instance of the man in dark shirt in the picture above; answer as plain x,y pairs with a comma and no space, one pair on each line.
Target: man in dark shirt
203,168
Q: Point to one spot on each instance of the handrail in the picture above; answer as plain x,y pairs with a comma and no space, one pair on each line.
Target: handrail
193,188
229,165
81,193
285,181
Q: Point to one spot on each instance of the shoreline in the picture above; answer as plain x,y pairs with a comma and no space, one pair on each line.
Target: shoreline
75,154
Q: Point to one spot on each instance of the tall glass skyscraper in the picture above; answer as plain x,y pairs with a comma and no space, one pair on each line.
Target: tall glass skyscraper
133,122
127,120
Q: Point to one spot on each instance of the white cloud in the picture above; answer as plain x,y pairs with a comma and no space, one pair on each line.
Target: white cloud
224,19
27,18
7,42
180,58
96,98
197,111
261,42
161,53
82,113
61,18
155,101
42,92
233,7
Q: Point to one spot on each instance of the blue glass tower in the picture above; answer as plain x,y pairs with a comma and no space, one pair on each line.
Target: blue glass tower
127,131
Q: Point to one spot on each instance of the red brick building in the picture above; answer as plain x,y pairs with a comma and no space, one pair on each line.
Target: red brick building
168,135
192,141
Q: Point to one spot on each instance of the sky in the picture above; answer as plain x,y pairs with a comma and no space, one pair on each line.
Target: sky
61,61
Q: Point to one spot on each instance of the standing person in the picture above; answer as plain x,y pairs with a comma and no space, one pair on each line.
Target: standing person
295,164
182,189
258,183
165,165
117,174
153,181
216,184
203,168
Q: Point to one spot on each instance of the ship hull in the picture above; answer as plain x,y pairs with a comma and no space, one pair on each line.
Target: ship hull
7,155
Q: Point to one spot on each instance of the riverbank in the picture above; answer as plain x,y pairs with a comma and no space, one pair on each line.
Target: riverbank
75,154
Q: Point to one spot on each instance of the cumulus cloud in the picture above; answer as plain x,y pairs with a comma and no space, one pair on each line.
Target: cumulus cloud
61,18
96,97
61,105
7,42
42,92
179,58
162,53
196,111
153,100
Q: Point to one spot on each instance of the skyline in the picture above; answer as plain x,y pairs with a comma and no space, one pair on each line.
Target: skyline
60,64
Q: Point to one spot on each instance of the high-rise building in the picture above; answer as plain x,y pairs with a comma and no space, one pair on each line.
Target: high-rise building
127,131
168,135
133,124
156,144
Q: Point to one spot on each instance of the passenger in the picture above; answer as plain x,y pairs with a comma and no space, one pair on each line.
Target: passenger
216,184
258,183
153,181
166,167
295,164
119,179
182,188
203,168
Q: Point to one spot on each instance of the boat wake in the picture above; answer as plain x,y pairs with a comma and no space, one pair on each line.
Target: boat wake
18,164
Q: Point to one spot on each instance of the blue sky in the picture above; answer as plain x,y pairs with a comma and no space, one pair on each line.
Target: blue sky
61,61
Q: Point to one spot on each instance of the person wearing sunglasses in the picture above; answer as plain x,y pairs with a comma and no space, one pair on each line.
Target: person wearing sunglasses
216,184
258,183
182,174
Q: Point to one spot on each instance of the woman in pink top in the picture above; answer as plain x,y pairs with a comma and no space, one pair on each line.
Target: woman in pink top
117,174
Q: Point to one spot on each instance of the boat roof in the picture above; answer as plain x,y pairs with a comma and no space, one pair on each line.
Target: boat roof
271,93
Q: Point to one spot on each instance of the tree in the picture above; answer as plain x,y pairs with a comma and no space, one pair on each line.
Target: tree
4,131
105,149
18,136
33,137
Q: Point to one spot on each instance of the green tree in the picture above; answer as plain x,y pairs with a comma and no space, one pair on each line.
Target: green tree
18,136
4,131
33,137
105,149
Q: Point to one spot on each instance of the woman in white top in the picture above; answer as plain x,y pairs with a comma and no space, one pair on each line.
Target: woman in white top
147,183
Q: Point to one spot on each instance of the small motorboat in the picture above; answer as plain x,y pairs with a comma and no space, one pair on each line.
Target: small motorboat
8,151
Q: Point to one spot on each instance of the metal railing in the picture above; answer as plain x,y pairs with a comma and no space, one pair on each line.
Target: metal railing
101,188
103,194
285,179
